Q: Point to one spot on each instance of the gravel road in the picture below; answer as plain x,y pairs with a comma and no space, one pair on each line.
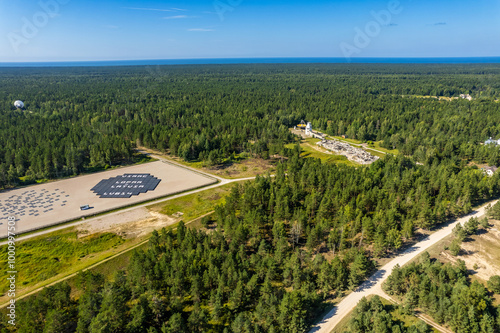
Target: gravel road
374,284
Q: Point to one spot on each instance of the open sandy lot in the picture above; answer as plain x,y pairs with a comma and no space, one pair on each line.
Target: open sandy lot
481,253
127,224
43,205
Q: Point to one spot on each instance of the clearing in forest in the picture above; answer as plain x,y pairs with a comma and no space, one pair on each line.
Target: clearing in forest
481,252
40,206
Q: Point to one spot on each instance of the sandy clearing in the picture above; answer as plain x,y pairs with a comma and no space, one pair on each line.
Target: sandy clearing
43,205
128,224
133,228
481,254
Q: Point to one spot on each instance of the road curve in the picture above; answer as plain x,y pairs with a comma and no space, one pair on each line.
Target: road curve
374,284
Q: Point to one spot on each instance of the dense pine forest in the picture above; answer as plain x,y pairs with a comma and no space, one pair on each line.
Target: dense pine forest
81,119
282,245
371,316
447,294
273,253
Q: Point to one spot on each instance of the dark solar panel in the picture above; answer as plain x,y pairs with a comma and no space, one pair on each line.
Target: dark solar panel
126,185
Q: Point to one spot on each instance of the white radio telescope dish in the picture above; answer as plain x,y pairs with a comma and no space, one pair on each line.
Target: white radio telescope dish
19,104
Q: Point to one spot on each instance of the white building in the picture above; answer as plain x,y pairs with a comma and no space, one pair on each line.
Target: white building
19,104
490,170
490,141
309,129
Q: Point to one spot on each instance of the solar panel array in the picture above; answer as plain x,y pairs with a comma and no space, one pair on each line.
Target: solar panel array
126,185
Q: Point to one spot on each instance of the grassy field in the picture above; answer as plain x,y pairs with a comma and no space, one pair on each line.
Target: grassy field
40,259
121,261
351,141
241,166
245,168
377,146
342,325
375,152
397,315
48,258
118,263
194,205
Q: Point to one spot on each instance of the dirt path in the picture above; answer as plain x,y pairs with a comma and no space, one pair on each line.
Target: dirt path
74,274
427,319
374,284
430,322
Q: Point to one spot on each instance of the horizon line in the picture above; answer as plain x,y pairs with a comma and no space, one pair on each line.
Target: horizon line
235,58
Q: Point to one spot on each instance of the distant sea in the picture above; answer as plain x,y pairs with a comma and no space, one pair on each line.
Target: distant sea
479,60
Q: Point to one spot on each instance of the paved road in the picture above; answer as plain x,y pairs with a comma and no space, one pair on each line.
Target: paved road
374,284
221,182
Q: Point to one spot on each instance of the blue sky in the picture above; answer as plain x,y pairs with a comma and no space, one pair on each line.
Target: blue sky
73,30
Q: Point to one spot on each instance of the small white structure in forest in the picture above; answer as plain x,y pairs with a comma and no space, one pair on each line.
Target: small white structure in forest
491,141
309,129
490,170
19,104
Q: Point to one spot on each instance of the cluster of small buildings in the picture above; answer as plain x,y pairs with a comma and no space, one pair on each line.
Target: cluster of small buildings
489,170
466,96
357,155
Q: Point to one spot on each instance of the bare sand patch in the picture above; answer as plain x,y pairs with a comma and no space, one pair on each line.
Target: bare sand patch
135,223
481,254
246,168
108,223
